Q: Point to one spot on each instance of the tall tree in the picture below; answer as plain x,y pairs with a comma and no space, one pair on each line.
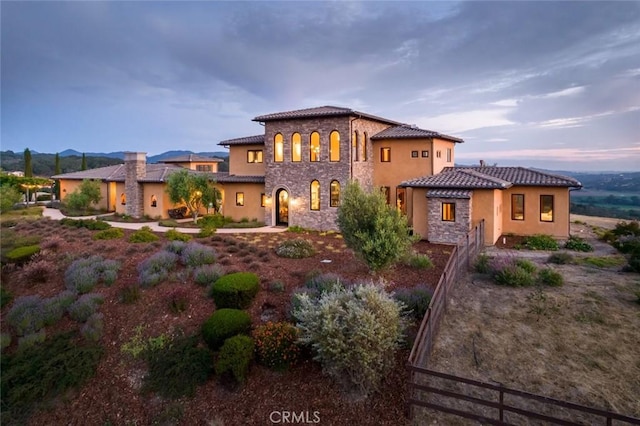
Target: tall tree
57,170
83,166
28,168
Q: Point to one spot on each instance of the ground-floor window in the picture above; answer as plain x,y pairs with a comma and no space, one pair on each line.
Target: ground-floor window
546,208
154,201
386,193
315,195
240,199
335,193
401,200
449,212
263,200
517,206
123,199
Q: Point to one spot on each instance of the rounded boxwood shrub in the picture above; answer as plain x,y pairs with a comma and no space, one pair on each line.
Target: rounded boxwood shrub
109,234
224,323
22,254
143,235
276,344
235,357
235,290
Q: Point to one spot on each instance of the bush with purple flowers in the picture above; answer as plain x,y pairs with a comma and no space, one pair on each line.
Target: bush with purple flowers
196,254
156,268
84,274
85,306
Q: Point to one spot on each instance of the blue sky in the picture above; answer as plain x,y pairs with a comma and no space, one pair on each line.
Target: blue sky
542,84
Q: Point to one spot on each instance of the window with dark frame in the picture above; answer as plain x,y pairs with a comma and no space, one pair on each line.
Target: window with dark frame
449,212
401,200
123,199
385,155
314,199
240,199
546,208
386,192
263,200
449,155
425,154
254,156
414,154
517,206
334,192
154,201
204,167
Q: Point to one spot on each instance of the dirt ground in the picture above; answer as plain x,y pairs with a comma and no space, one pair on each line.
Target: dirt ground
579,342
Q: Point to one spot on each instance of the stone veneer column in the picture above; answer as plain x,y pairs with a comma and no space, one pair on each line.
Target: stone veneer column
443,232
135,164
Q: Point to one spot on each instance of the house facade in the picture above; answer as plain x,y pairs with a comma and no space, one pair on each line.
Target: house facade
294,175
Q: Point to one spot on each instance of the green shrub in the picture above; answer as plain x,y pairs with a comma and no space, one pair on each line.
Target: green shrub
562,258
175,247
22,254
109,234
540,242
42,372
482,265
634,262
206,232
276,344
416,300
91,224
26,316
235,357
206,275
169,223
138,346
235,290
603,261
196,254
548,276
577,244
527,265
179,369
512,272
297,248
9,196
156,268
276,287
323,283
85,306
224,323
174,235
418,261
143,235
359,356
31,340
93,328
84,274
55,307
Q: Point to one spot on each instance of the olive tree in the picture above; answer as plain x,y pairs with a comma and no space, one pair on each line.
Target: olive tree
194,190
86,194
376,232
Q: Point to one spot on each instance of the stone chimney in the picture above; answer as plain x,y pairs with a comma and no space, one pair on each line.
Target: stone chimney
135,168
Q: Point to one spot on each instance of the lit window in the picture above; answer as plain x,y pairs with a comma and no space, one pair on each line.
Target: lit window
296,147
315,195
334,146
335,193
204,168
386,193
154,201
385,155
263,200
123,199
254,156
314,147
425,154
448,155
546,208
449,212
278,148
401,200
364,146
240,199
414,154
517,206
354,146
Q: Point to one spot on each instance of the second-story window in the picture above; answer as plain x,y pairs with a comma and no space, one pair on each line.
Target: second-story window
385,155
296,147
364,146
355,154
448,155
315,195
204,168
278,148
314,147
254,156
334,146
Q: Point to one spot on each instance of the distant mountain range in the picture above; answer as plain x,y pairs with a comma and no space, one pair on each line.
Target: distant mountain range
150,159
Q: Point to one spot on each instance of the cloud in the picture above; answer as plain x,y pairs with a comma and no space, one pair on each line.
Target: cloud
560,154
463,121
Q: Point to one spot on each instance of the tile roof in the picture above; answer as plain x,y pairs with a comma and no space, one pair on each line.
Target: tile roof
411,132
248,140
191,158
448,193
227,178
323,111
154,173
490,177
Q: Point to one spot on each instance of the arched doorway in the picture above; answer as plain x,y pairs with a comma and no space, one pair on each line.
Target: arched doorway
282,207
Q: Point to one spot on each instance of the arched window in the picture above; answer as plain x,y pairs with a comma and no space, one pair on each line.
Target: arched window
296,153
364,146
335,193
278,148
154,201
314,147
123,199
315,195
334,146
355,153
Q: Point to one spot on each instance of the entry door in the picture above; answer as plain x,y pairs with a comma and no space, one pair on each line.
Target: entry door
282,208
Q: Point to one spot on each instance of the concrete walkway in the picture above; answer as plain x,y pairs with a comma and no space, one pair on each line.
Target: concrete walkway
56,214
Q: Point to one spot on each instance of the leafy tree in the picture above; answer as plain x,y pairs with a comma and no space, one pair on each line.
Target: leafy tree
9,196
83,165
57,169
375,231
86,194
192,190
28,169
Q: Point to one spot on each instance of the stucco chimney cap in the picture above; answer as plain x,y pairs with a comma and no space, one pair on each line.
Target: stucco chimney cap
135,156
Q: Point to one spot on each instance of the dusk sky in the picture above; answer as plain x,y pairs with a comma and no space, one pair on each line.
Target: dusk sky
543,84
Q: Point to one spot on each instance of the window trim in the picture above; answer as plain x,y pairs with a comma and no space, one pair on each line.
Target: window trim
414,154
365,138
295,159
334,146
314,206
333,202
240,199
204,168
383,150
551,197
449,155
256,158
263,199
355,148
278,141
451,211
513,207
312,150
425,154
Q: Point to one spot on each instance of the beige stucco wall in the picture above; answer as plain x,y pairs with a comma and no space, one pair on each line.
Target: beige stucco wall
238,164
194,165
531,223
251,208
419,218
402,166
440,163
67,186
487,205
